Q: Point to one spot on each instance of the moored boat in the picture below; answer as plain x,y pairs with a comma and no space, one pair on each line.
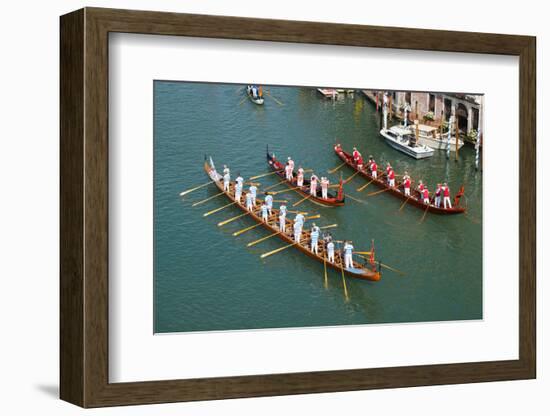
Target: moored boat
255,94
414,199
337,199
401,138
430,136
359,271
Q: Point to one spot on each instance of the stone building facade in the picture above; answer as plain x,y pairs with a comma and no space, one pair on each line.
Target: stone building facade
466,107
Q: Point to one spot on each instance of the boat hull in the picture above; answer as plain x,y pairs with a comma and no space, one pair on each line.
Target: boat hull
357,272
420,152
439,144
397,191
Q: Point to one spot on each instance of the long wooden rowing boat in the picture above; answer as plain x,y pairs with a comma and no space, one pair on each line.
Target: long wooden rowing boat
398,191
337,199
359,271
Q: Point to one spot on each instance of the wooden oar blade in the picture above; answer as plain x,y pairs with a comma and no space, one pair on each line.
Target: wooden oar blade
218,209
263,256
336,168
195,188
392,269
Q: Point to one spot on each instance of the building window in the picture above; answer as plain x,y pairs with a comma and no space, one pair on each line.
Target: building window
431,103
475,118
448,104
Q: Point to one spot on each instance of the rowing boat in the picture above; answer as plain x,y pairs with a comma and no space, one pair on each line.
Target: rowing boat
359,271
398,190
332,200
255,94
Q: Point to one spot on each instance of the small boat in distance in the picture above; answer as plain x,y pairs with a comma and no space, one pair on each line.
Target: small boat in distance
401,138
255,93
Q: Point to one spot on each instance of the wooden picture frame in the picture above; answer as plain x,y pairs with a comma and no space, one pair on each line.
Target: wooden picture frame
84,207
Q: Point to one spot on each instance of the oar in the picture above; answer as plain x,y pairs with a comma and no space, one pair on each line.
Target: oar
218,209
265,174
263,256
329,226
391,268
207,199
360,189
298,212
378,192
351,177
336,168
242,101
406,200
220,224
355,199
284,190
195,188
425,212
302,200
276,100
253,243
280,201
273,186
244,230
343,277
325,266
362,252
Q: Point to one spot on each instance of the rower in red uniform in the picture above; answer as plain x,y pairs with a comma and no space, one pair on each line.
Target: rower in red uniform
438,192
356,155
360,162
420,188
407,184
426,195
373,167
446,196
391,177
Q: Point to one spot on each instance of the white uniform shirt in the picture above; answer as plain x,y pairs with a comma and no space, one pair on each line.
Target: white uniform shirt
264,209
253,191
348,249
330,247
299,219
269,201
282,210
314,234
239,180
248,198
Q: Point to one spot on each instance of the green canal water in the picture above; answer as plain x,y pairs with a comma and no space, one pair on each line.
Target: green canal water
205,279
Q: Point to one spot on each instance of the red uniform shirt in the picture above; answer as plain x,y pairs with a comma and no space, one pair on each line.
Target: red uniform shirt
446,191
407,183
356,155
421,187
391,174
426,194
373,167
359,160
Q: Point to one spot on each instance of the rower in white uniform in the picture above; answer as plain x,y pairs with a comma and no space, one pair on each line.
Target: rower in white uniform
324,187
238,191
282,218
300,177
313,185
348,254
297,231
248,198
288,172
330,251
315,238
300,218
269,202
253,190
239,179
264,212
226,181
225,170
291,164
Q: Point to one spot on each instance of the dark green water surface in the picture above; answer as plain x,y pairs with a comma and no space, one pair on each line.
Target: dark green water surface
205,279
